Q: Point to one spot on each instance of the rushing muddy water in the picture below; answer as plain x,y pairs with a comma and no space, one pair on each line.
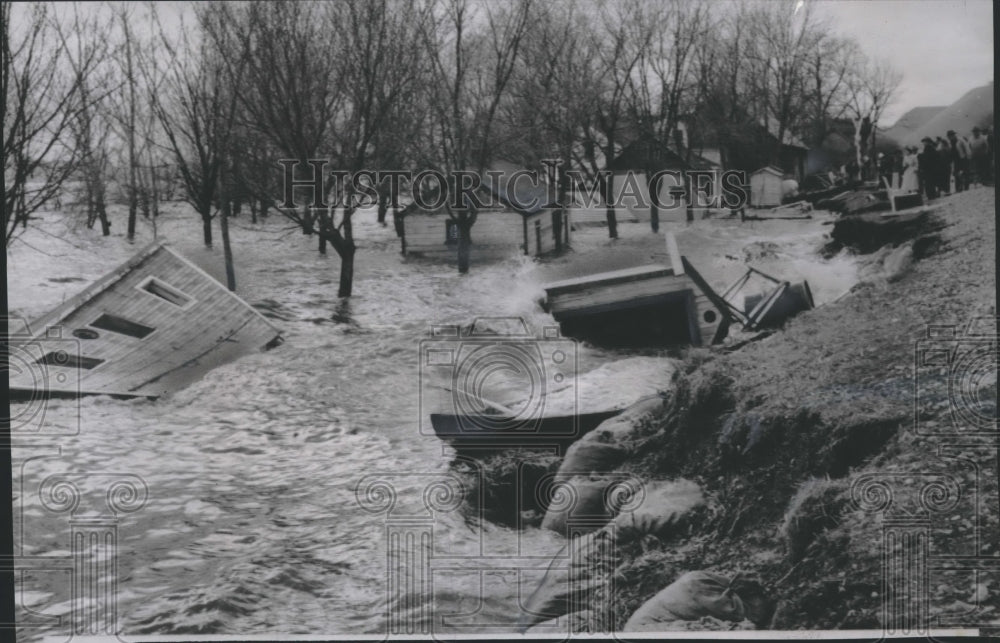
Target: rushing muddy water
252,522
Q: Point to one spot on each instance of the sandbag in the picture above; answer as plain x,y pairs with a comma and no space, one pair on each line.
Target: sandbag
583,565
617,431
589,504
585,458
694,595
898,262
664,506
573,622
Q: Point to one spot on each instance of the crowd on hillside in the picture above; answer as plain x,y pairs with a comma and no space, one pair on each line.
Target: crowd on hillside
942,165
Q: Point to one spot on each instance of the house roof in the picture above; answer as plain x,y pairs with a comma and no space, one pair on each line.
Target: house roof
522,190
525,191
654,155
770,169
789,139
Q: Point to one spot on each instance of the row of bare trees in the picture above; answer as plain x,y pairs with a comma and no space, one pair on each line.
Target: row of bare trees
77,113
399,84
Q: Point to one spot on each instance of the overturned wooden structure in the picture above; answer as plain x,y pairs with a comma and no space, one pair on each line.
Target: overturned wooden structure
154,324
651,303
656,304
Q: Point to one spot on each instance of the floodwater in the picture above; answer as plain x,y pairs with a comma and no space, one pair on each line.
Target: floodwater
253,520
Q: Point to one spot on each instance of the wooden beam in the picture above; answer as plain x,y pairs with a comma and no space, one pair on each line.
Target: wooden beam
674,254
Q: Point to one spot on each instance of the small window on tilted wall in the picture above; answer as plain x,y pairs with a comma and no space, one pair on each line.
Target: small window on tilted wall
166,292
122,326
69,360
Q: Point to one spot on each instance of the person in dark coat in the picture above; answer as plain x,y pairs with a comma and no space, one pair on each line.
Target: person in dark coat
960,158
980,147
944,169
930,168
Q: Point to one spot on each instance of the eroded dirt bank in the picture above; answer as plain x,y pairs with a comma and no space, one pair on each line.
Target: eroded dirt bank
777,432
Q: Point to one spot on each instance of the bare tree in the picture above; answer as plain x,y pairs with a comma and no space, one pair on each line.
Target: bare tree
831,64
665,86
125,106
291,92
86,46
471,71
778,53
872,86
195,104
550,98
41,102
620,33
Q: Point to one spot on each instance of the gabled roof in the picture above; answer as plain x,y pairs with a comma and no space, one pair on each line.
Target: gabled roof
789,139
770,169
522,190
654,155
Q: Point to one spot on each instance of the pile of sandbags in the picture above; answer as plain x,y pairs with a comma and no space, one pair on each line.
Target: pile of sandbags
691,597
585,474
585,564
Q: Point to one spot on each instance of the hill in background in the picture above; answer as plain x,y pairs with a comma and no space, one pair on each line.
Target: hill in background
973,109
909,122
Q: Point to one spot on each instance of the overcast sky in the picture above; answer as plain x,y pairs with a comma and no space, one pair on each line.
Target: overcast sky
943,47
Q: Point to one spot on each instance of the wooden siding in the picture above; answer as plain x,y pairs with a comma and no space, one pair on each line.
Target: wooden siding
628,288
495,233
540,235
216,327
765,189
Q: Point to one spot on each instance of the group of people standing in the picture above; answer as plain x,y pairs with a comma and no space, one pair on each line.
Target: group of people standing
930,170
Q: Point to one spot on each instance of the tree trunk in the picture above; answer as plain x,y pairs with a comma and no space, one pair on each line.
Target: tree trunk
654,210
133,208
383,205
206,228
609,198
227,250
397,222
346,252
464,243
557,228
324,223
102,212
346,272
307,221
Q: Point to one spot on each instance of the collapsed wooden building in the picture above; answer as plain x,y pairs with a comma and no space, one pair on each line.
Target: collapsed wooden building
521,216
152,325
667,305
650,303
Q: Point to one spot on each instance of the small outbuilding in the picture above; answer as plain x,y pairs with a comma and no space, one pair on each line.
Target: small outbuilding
766,187
519,215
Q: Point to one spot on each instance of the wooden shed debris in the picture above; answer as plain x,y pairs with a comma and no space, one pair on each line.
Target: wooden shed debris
651,303
154,324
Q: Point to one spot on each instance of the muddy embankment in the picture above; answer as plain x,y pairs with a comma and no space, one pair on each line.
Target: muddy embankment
747,464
